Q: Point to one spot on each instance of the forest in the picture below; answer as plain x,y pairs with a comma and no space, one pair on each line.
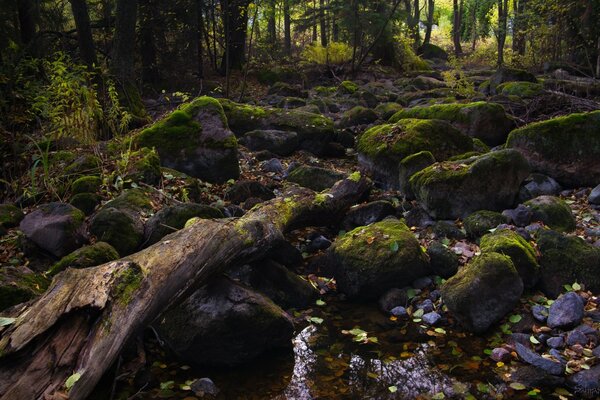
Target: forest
299,199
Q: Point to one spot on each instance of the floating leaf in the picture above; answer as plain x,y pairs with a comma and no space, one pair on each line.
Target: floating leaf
517,386
6,321
515,318
72,380
393,389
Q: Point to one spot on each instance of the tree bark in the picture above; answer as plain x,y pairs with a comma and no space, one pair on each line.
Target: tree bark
271,24
123,54
287,28
26,10
457,11
235,23
430,10
323,23
85,318
87,50
502,21
199,34
148,53
519,42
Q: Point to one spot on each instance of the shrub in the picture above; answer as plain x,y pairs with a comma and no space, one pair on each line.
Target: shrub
334,53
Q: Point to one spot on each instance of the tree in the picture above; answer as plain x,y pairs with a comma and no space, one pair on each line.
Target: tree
457,10
235,25
430,11
87,50
123,54
27,22
501,33
287,28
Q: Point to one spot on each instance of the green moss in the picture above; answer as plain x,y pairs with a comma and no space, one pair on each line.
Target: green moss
355,176
86,184
553,212
17,287
521,253
86,202
118,228
386,110
520,89
357,116
132,199
10,215
129,280
464,156
205,103
84,165
479,223
447,112
171,134
62,156
315,178
479,146
88,256
347,87
325,90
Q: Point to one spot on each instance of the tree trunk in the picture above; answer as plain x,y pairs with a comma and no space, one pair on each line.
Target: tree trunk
314,32
235,23
322,23
287,27
148,23
502,21
430,10
598,61
473,27
123,54
416,33
271,25
87,50
519,42
26,10
80,325
456,27
198,35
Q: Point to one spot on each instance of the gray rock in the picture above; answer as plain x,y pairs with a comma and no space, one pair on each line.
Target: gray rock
500,354
444,262
366,214
556,342
534,377
393,298
273,165
537,185
576,337
586,383
315,178
431,318
566,311
204,386
594,197
520,216
282,143
399,312
539,312
422,283
243,190
426,305
538,361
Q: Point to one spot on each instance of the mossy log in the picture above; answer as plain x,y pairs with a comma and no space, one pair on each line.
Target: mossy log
79,326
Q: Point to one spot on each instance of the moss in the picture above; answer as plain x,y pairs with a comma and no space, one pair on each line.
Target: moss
447,112
62,156
128,281
132,199
386,110
315,178
88,256
479,223
347,87
118,228
84,165
355,176
553,212
521,253
520,89
144,166
325,90
205,103
18,286
86,184
479,146
464,156
86,202
357,116
10,215
170,134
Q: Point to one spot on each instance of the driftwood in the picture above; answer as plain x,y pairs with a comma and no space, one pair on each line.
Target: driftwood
80,325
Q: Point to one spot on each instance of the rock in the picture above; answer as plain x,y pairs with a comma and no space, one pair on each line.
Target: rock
430,51
347,87
85,257
84,165
565,148
480,222
586,383
358,116
282,143
393,298
225,324
422,283
123,229
317,243
315,178
144,166
383,147
594,197
448,229
444,262
426,83
134,200
18,285
454,189
539,312
173,218
294,102
416,216
483,291
528,356
273,165
520,216
195,140
524,90
372,259
399,312
426,305
86,184
566,311
203,387
286,90
521,253
485,121
366,214
55,227
500,354
10,215
505,74
567,259
533,377
556,342
408,167
243,190
576,337
431,318
537,185
86,202
553,212
386,110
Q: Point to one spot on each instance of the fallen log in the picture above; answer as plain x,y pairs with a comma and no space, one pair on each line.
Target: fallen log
76,330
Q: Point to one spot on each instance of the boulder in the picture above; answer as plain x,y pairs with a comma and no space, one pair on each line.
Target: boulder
565,148
86,184
85,257
430,51
358,116
594,197
366,214
480,222
86,202
586,383
286,90
372,259
282,143
506,74
386,110
520,89
408,167
444,262
10,215
18,285
243,190
173,218
567,259
454,189
196,140
121,228
144,166
566,311
383,147
532,358
553,212
511,244
486,121
315,178
55,227
225,324
483,291
538,185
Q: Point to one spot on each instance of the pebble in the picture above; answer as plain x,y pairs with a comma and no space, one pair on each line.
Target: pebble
431,318
576,337
500,354
399,312
426,305
558,355
204,386
594,197
422,283
539,312
318,243
273,165
528,356
566,311
556,342
520,216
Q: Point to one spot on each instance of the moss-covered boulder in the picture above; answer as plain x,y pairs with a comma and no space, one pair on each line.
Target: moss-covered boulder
506,74
565,148
553,212
409,166
372,259
521,253
358,116
287,90
144,166
422,82
454,189
225,324
131,199
383,147
86,184
430,51
486,121
480,222
347,87
55,227
520,89
292,102
565,260
195,140
84,165
86,202
483,291
10,215
386,110
121,228
444,262
315,178
173,218
85,257
18,285
282,143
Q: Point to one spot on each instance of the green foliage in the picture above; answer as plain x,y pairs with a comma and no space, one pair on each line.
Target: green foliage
456,79
334,54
